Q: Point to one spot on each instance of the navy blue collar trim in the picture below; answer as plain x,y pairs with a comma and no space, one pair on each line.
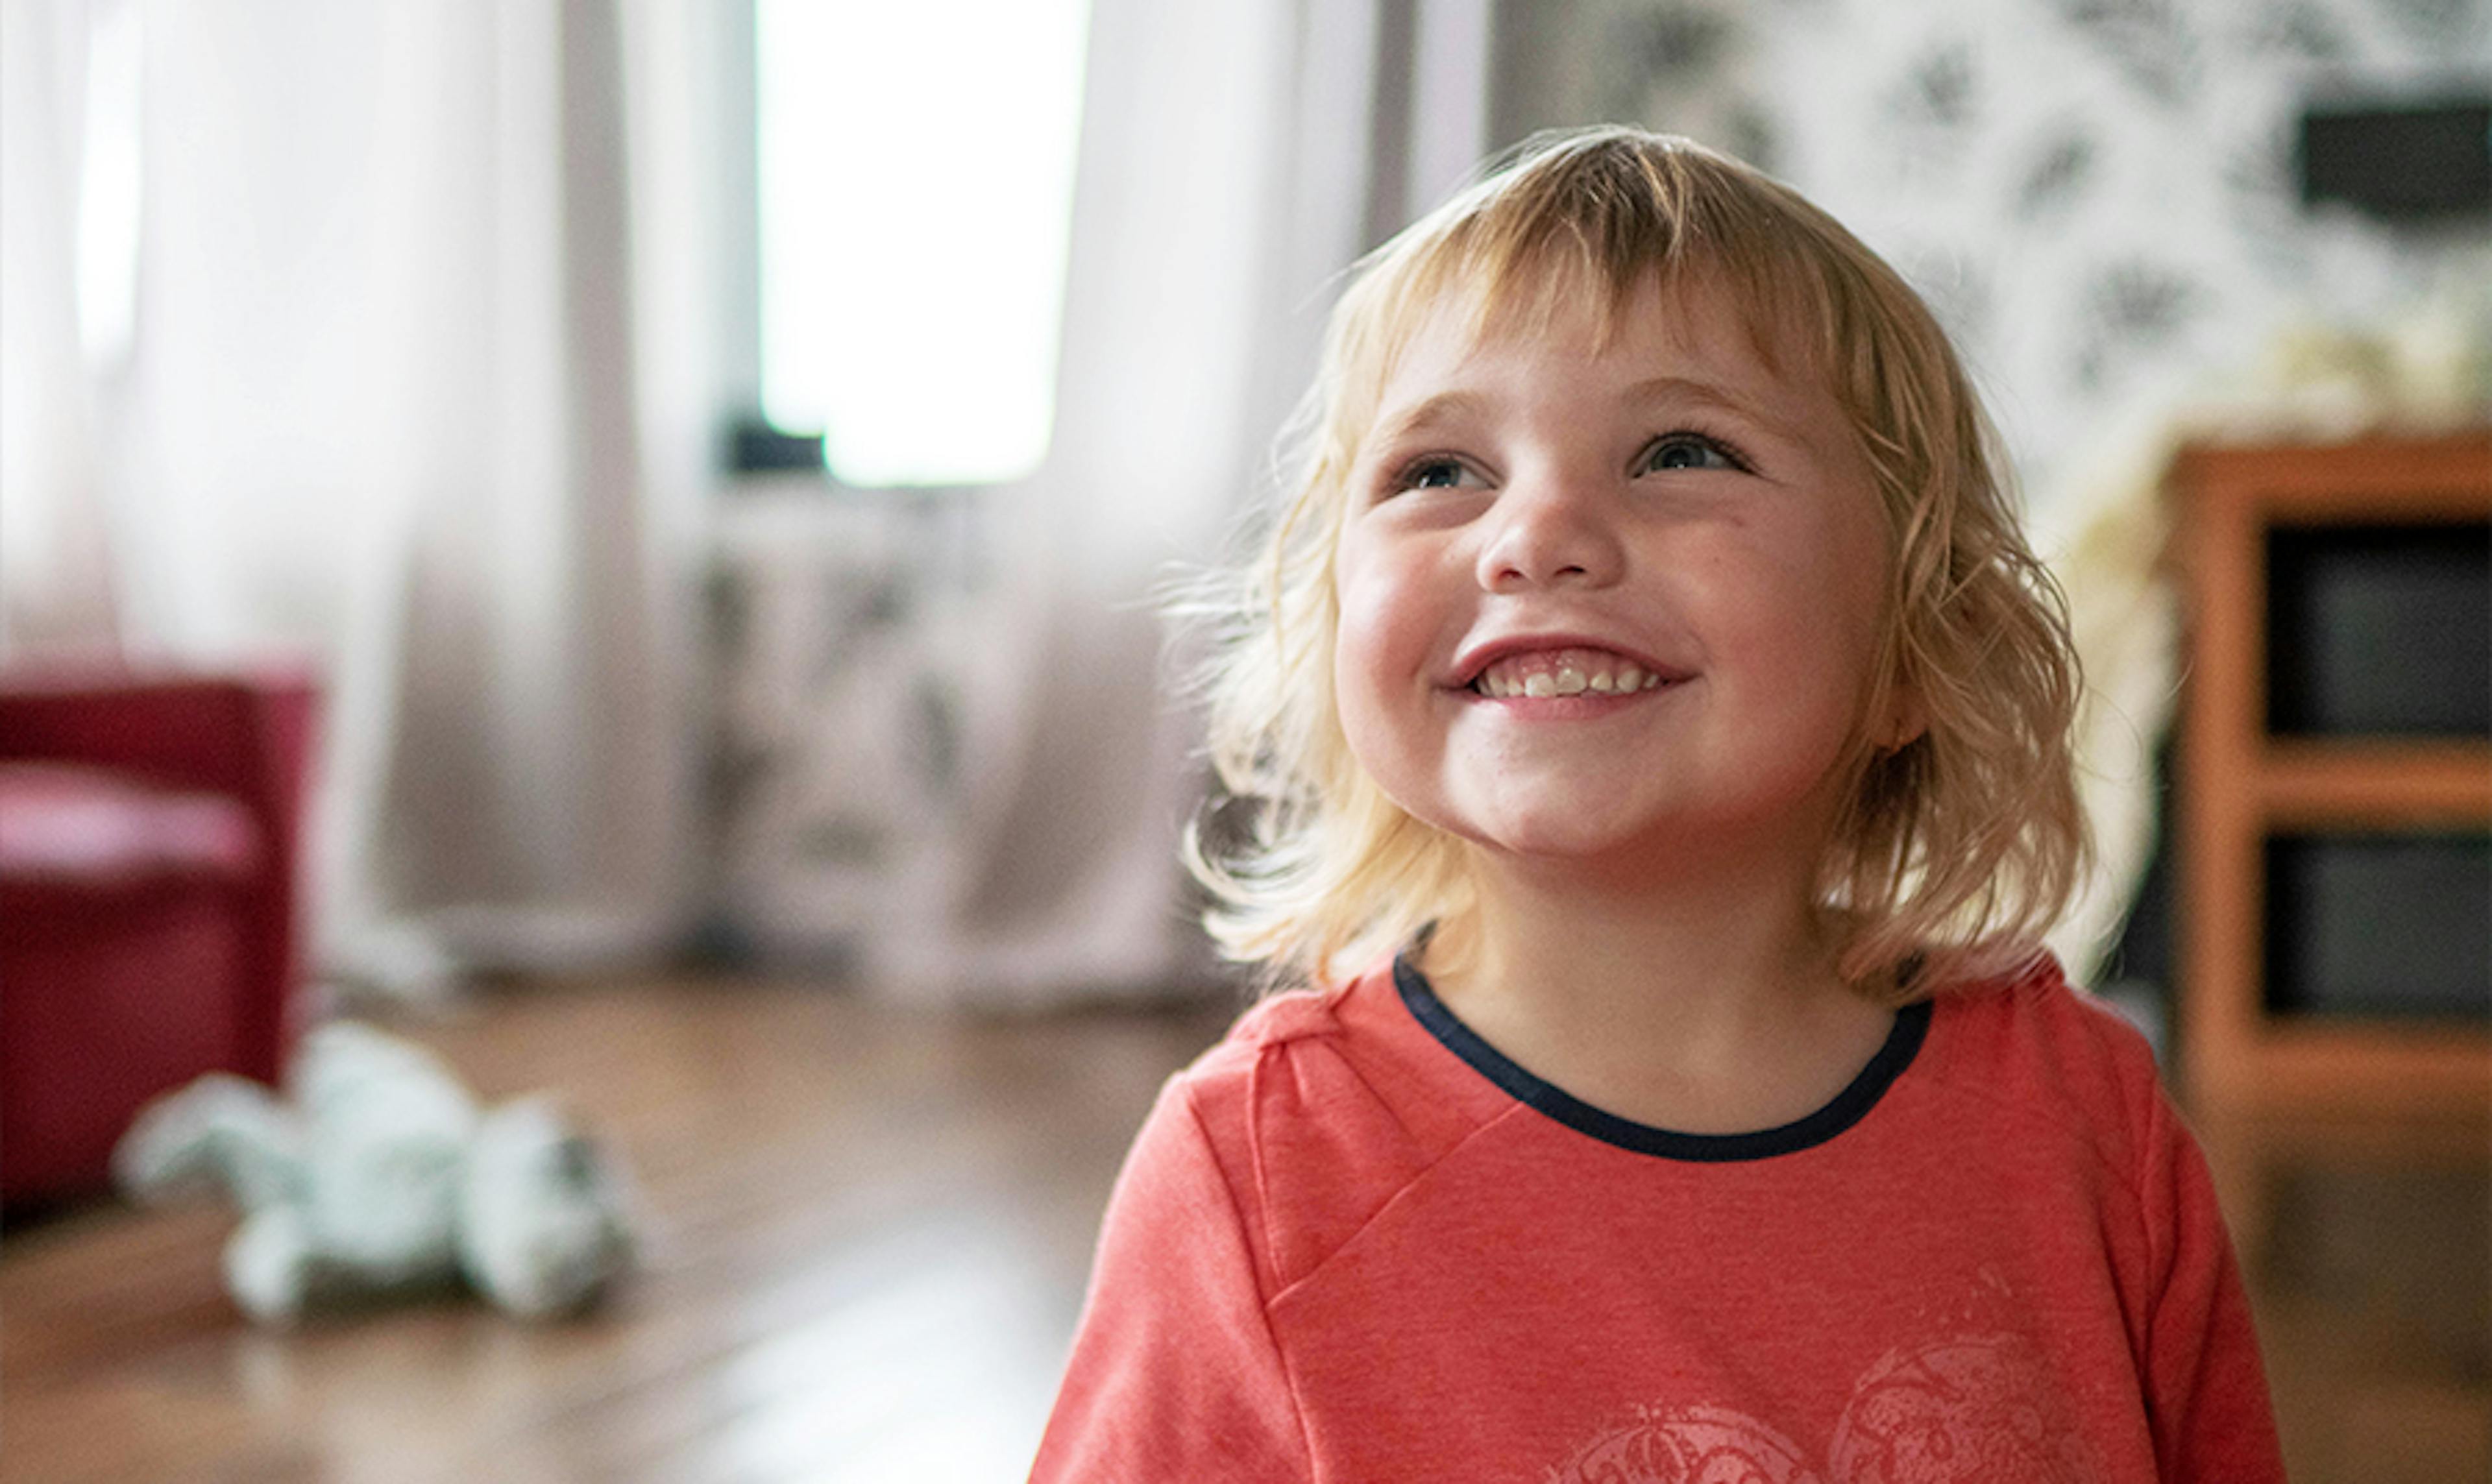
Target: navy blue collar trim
1847,1106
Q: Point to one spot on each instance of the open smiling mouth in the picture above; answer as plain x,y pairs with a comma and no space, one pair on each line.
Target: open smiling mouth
1571,672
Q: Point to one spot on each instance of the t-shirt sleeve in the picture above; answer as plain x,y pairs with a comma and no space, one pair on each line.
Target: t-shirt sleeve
2206,1388
1174,1372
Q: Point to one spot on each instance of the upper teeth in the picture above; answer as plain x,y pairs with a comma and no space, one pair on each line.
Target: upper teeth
1577,671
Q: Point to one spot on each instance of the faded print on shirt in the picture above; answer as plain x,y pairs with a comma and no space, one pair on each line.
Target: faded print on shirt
1971,1407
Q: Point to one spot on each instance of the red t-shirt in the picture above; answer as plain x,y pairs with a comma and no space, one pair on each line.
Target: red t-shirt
1353,1242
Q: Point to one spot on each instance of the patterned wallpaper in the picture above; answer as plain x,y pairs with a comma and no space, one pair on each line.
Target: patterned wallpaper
2098,196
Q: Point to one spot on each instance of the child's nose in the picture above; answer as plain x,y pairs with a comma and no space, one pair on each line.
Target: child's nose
1550,532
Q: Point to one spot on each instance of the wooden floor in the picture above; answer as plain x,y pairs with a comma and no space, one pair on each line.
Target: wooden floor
868,1235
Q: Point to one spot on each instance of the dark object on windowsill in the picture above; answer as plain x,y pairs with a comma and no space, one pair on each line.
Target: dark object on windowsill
2417,161
754,446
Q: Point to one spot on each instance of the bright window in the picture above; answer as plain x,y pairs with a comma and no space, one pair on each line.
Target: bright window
916,194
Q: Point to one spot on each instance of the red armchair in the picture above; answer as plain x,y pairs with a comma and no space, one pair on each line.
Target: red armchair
149,839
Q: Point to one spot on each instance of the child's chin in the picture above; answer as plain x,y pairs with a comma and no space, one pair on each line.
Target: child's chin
1561,839
1580,825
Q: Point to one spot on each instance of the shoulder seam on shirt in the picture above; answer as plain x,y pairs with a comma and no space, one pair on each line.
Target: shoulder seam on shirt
1263,1305
1393,1200
2160,1252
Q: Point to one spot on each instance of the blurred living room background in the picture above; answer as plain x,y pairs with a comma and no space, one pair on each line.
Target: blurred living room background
622,541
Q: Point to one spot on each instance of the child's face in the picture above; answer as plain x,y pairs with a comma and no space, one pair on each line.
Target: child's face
1604,604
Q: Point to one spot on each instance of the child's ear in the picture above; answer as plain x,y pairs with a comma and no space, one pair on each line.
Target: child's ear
1902,719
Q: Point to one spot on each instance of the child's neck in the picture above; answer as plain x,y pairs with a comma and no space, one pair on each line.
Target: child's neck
1708,1004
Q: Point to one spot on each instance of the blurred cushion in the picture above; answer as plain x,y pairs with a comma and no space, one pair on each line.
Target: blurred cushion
63,823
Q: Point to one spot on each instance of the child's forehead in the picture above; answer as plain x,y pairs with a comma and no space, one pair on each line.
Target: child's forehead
1577,312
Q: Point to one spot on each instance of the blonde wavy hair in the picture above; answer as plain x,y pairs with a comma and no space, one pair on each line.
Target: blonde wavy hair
1952,853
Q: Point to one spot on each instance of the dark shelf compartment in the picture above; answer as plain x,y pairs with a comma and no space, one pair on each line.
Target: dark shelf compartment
2380,926
2378,631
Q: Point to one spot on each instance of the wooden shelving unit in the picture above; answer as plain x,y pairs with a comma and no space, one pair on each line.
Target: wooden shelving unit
2240,786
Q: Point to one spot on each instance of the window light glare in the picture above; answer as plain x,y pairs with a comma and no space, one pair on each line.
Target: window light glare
109,187
916,184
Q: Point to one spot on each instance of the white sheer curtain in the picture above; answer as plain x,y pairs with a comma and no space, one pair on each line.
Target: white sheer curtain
379,410
1237,154
56,586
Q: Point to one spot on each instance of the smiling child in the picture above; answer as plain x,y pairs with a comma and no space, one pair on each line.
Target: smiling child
1660,733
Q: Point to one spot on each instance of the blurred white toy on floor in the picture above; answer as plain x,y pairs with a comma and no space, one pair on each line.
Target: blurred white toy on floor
382,1177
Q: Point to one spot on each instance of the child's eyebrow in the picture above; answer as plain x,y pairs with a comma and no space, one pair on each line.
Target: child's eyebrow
1677,391
1460,406
1441,408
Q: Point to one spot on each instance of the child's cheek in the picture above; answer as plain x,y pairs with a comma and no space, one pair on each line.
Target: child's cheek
1382,683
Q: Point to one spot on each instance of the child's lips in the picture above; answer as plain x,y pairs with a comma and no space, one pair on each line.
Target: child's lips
1554,669
1570,672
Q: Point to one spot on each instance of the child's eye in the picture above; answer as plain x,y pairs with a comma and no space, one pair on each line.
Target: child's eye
1435,473
1689,451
